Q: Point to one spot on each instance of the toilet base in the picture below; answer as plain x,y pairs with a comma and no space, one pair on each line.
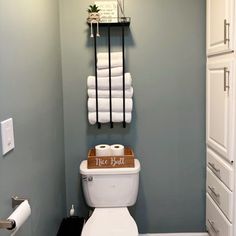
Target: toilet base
110,221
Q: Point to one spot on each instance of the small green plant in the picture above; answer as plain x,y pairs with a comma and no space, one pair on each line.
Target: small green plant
93,8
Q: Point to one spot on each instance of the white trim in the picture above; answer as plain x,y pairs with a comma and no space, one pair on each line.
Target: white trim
176,234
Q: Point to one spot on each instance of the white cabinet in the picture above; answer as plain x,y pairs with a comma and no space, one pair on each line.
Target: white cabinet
220,26
219,107
221,118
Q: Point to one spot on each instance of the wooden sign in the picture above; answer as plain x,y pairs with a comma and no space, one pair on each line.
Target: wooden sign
108,10
126,161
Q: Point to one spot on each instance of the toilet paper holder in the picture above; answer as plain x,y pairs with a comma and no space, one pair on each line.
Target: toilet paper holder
7,224
16,201
11,224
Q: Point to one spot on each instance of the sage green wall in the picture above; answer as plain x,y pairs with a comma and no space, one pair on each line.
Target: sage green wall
166,57
31,93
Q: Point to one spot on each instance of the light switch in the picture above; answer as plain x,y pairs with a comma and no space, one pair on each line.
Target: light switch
7,133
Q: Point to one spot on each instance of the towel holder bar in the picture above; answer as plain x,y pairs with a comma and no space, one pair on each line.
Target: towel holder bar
109,60
123,60
121,24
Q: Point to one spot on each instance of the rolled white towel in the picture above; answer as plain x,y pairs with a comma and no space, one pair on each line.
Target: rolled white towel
116,82
116,71
114,55
104,117
104,104
114,93
104,63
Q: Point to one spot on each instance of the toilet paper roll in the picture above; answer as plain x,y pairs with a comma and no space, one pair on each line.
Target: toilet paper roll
117,150
103,150
20,215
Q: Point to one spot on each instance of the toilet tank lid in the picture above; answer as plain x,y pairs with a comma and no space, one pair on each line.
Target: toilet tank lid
106,171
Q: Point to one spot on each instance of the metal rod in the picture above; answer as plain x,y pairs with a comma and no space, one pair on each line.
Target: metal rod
226,72
213,191
212,224
96,76
214,195
213,167
7,224
109,61
123,61
225,87
225,32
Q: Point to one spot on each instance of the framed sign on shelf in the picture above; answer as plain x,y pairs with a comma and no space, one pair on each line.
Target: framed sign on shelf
108,10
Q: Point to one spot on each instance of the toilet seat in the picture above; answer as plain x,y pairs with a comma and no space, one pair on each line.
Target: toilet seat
110,222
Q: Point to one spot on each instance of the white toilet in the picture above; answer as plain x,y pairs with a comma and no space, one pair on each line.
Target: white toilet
110,192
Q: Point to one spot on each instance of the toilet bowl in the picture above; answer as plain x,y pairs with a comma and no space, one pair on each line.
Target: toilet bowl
110,221
110,192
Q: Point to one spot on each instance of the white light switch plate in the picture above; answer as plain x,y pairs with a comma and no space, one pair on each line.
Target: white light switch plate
7,133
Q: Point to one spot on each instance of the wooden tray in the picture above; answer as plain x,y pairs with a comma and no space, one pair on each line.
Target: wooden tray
96,162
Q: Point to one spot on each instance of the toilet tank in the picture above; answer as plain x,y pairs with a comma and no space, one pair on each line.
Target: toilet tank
116,187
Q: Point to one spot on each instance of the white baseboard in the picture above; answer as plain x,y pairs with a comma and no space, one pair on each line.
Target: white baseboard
176,234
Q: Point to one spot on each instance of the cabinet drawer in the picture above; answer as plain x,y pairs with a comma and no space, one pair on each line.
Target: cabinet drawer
216,223
220,168
222,196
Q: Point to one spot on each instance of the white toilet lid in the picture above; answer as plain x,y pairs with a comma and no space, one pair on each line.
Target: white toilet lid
110,222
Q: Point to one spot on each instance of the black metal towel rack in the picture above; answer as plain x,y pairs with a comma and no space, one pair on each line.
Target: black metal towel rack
122,23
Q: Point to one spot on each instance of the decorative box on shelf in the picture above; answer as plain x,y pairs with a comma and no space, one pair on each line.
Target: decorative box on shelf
96,162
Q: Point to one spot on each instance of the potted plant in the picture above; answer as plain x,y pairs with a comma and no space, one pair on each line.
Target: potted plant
93,12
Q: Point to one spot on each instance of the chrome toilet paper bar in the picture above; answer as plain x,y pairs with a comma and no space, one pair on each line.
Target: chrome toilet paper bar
11,224
7,224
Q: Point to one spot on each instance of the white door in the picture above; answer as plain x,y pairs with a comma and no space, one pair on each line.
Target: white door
219,130
219,26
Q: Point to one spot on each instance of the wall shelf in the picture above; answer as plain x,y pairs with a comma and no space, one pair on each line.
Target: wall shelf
114,22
